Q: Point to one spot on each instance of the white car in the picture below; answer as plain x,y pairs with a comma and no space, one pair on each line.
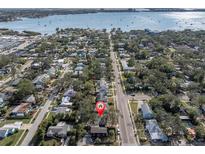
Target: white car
118,131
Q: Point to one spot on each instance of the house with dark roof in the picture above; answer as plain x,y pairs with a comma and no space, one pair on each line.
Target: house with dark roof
5,132
156,134
21,110
41,80
146,111
60,130
203,109
101,96
97,131
16,82
102,91
78,69
5,70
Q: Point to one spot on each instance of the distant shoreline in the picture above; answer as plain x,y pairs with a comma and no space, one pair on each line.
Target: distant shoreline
7,15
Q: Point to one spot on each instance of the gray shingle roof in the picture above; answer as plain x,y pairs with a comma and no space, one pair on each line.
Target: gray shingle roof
60,130
154,130
146,111
98,130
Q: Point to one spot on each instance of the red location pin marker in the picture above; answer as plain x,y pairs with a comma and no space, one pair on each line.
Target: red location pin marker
100,107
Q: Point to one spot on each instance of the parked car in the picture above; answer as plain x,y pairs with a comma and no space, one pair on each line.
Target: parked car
118,131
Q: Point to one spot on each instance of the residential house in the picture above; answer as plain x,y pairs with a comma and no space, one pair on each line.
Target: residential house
102,91
65,102
60,61
101,97
146,111
61,110
41,80
125,66
74,54
15,125
203,108
21,110
79,69
5,132
70,93
92,52
81,54
141,46
123,55
156,134
5,70
80,65
102,66
121,50
30,99
60,130
103,86
2,100
36,65
16,82
67,67
97,131
52,72
84,61
121,45
184,118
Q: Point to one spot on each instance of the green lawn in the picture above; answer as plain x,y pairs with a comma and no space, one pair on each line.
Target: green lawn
134,107
51,142
138,122
9,121
11,140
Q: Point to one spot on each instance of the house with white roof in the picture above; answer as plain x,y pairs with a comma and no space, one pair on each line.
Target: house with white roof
15,125
125,66
66,101
2,100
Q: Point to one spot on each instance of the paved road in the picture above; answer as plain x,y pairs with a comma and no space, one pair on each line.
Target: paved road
37,122
40,117
125,123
